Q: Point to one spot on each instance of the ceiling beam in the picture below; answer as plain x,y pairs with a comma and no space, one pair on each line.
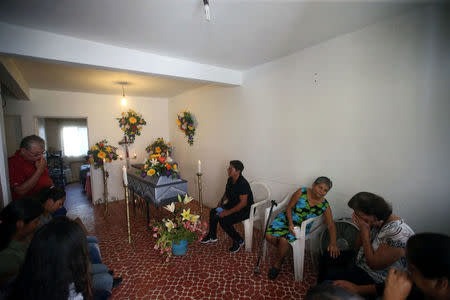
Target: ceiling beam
17,40
11,77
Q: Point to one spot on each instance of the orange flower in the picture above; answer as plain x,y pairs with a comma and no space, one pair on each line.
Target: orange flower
133,120
168,166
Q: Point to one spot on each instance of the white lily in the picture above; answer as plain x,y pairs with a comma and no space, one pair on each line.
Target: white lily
170,207
187,199
169,224
153,162
169,159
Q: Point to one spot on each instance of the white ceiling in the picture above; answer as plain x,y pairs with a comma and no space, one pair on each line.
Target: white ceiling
240,35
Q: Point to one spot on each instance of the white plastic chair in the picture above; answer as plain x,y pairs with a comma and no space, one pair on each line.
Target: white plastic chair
261,198
298,246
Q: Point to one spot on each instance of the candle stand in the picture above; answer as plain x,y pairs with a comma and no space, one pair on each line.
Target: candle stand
200,200
105,189
127,199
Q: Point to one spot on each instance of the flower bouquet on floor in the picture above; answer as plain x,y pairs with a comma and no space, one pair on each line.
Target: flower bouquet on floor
182,227
102,153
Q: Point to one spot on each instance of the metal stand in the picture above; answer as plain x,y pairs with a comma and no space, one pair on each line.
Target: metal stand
199,184
128,212
105,188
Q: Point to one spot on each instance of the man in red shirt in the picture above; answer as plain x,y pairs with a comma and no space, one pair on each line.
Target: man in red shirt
28,171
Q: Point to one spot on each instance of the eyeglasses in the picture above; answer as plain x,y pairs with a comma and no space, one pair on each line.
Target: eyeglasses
37,154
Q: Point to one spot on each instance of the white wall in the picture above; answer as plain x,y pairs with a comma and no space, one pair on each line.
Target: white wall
101,112
369,109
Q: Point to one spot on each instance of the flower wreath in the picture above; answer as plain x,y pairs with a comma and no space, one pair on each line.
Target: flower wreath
102,151
131,124
186,123
159,147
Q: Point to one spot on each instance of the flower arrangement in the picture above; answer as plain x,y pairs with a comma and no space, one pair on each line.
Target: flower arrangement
102,153
131,124
182,226
159,165
185,122
159,148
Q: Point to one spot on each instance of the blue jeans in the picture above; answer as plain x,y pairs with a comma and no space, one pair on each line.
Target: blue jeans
101,279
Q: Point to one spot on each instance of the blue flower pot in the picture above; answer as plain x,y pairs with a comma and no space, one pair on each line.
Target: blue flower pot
180,248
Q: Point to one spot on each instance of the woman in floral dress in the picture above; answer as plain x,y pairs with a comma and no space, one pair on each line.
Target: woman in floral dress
306,203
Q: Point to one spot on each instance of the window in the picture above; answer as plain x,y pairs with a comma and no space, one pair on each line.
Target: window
74,140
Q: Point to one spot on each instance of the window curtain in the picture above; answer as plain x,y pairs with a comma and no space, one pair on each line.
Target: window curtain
74,140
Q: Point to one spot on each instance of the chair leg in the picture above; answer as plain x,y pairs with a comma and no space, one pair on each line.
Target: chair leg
248,231
298,248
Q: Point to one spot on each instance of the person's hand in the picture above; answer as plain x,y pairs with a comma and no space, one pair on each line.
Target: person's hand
291,229
40,165
334,251
347,285
398,285
362,225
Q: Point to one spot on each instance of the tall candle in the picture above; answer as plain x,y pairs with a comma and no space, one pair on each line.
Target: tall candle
104,161
125,178
199,166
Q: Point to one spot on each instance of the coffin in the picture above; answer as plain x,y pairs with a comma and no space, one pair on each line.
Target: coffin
156,190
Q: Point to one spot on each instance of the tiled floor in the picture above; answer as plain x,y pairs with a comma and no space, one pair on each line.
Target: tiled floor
207,271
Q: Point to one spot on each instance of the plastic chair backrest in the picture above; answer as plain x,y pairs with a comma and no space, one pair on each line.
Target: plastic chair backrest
260,191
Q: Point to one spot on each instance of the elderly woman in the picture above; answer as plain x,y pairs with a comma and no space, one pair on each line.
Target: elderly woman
381,242
306,203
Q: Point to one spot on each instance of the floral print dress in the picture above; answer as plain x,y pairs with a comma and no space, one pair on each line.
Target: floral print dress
300,212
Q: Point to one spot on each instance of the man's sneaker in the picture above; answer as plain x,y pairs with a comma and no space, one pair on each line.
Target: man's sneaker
208,239
236,246
116,282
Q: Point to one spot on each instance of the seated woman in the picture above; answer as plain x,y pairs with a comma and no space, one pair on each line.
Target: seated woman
306,203
18,221
428,256
63,272
381,242
52,199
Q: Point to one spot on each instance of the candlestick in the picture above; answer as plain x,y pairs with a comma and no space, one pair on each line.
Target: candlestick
128,211
105,187
104,161
125,178
199,166
199,185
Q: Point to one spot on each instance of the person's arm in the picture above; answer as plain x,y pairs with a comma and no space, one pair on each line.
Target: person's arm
384,256
242,203
291,204
29,183
332,248
398,285
363,290
220,203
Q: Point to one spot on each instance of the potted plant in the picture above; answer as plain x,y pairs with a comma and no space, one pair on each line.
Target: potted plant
173,234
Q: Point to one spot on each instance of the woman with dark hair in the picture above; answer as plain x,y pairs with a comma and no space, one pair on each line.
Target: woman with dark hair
57,264
428,256
18,221
305,203
381,242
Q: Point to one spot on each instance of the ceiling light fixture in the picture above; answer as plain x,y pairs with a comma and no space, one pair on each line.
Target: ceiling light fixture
124,100
207,14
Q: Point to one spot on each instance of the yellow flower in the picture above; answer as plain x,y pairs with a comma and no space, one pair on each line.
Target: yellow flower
94,148
174,166
123,128
155,155
158,150
91,160
194,218
108,149
123,114
178,122
190,127
131,111
151,172
169,144
186,214
133,120
102,154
